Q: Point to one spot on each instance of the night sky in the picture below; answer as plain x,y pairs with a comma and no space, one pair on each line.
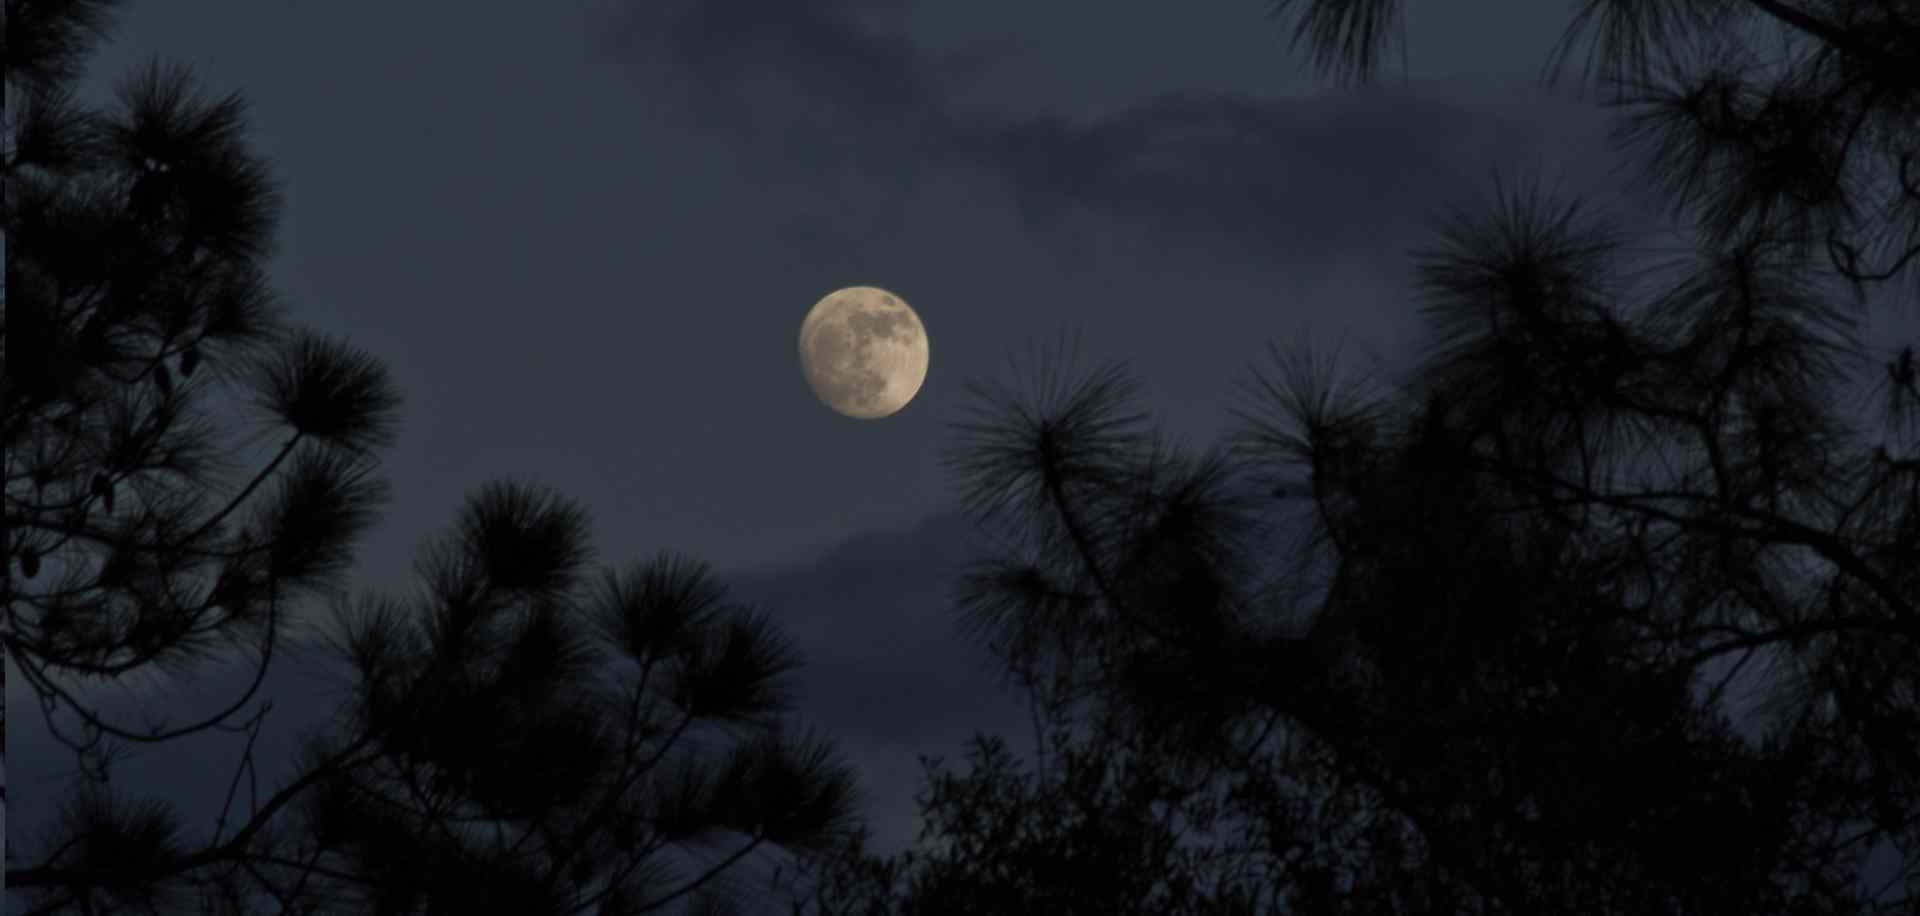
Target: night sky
582,237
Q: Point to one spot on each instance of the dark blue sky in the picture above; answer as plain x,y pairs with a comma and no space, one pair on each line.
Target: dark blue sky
583,237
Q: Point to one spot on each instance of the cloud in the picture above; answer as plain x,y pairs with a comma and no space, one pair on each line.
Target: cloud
872,619
886,673
817,88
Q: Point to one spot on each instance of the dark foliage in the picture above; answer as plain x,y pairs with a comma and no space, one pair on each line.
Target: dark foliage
1814,147
521,738
137,315
1607,606
527,738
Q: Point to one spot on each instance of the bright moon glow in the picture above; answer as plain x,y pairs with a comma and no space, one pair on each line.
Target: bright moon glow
864,351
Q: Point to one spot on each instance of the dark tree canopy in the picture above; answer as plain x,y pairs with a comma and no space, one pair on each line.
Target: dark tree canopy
523,737
1504,671
137,319
1816,146
140,332
1500,681
520,737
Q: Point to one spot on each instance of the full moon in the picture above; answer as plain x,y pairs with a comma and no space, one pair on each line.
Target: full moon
864,352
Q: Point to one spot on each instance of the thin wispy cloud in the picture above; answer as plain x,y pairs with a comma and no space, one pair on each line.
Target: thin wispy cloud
824,87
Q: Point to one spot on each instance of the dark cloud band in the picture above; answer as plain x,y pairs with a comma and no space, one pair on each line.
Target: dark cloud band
817,87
